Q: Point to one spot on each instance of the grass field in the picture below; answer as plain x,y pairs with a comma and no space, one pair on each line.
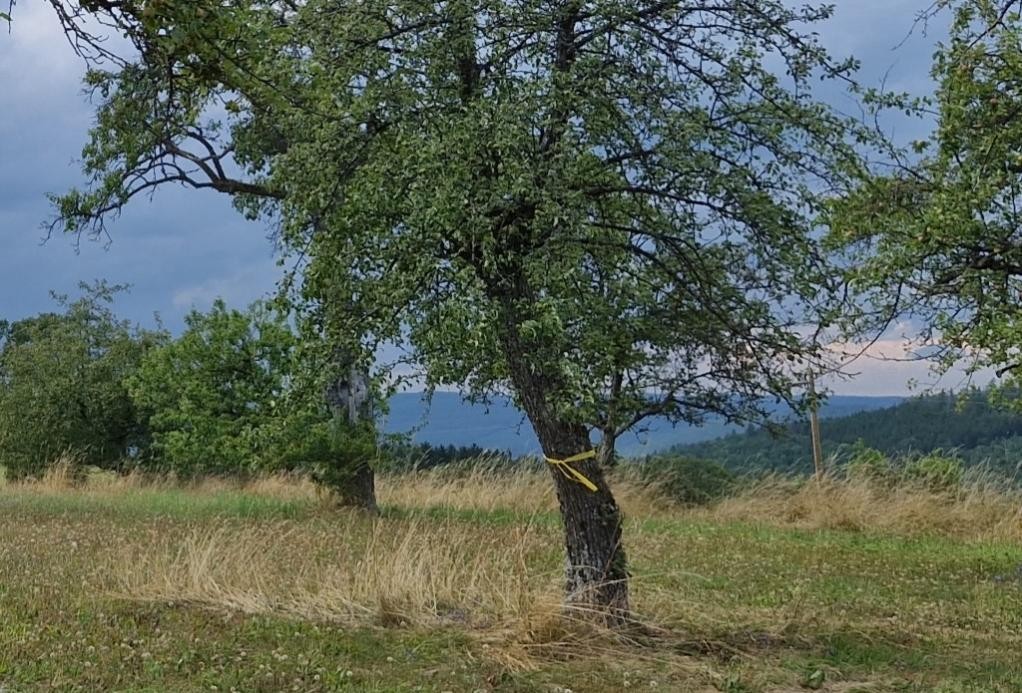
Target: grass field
123,585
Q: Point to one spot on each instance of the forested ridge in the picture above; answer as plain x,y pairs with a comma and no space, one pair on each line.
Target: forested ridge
966,425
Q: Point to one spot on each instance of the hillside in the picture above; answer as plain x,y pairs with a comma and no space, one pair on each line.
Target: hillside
971,427
448,420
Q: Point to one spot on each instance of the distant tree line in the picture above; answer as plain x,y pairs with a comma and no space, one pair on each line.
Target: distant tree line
428,456
234,393
973,426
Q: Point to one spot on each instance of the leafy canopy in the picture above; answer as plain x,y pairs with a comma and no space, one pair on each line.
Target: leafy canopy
61,384
211,395
938,237
607,204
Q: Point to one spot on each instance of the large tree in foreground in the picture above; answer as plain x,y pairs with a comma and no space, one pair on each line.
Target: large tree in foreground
936,236
602,208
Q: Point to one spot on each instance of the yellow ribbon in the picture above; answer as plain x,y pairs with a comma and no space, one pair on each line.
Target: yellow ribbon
569,472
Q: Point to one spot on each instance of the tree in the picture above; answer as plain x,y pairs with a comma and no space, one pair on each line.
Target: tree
937,236
241,391
603,208
62,385
210,395
325,426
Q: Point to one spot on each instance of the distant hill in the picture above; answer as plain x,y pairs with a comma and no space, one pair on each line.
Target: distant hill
451,421
972,428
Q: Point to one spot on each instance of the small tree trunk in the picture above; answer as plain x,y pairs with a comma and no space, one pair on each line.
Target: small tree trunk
606,454
359,491
814,430
348,397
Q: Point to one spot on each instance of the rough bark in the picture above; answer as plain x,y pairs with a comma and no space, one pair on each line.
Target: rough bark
359,490
596,577
606,453
348,399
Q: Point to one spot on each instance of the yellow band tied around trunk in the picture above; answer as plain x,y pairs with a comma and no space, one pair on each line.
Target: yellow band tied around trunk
569,472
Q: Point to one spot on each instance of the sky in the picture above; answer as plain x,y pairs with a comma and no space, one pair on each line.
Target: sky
185,248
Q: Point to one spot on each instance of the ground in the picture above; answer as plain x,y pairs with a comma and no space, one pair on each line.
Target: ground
130,587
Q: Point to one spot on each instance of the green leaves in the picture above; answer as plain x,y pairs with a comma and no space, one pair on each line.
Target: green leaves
629,194
211,395
939,239
61,385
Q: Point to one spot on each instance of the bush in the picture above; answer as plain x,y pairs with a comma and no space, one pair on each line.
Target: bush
868,463
210,395
337,455
936,470
687,480
62,385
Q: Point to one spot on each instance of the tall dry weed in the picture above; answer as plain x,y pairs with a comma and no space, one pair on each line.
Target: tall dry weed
525,490
981,509
62,474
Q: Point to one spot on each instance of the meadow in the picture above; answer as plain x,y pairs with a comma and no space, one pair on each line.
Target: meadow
140,584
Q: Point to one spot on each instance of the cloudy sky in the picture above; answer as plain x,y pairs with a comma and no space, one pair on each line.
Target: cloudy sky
184,248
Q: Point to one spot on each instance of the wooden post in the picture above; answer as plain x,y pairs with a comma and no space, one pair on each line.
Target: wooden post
814,428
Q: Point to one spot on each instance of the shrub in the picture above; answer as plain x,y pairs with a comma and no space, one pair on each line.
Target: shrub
62,385
686,480
868,463
337,455
210,394
935,470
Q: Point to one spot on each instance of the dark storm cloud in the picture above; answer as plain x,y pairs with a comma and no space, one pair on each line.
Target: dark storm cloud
183,249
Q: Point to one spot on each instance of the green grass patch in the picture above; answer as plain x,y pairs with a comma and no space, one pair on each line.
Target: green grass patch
174,503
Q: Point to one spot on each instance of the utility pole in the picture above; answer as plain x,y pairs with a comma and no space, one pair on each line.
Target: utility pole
814,427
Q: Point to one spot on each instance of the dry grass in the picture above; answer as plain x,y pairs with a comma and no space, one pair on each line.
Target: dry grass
499,585
354,572
63,474
291,487
982,509
526,490
734,596
420,570
67,474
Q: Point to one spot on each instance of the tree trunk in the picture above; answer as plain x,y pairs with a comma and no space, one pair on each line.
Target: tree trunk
606,454
596,577
359,490
348,399
814,429
596,574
